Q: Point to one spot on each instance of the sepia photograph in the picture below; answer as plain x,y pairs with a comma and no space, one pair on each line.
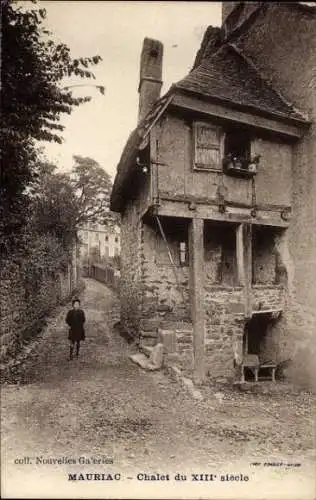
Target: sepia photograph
158,250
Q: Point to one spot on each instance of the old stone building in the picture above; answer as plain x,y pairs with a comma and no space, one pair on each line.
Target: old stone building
99,242
215,189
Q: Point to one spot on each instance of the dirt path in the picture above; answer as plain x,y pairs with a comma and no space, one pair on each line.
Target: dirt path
102,406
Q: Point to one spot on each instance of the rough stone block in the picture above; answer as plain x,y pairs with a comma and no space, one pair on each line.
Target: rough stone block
156,357
168,339
148,341
236,307
149,325
145,349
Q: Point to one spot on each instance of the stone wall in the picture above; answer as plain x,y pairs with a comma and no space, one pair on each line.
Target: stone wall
26,303
268,297
270,44
130,281
224,328
164,287
225,323
288,343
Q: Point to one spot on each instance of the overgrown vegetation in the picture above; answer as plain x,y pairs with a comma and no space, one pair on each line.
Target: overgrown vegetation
63,202
39,208
33,101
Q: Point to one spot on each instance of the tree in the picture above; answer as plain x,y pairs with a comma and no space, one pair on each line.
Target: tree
92,185
33,101
62,202
54,205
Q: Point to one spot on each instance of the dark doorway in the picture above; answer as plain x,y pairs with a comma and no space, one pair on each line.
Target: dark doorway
256,330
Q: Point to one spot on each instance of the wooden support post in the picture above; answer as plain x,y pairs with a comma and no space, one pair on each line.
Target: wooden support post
244,263
248,269
240,254
196,252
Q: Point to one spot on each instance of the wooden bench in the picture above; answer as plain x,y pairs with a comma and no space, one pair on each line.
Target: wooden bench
271,367
252,363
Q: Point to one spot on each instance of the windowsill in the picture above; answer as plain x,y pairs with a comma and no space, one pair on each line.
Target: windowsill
239,172
271,286
202,168
219,287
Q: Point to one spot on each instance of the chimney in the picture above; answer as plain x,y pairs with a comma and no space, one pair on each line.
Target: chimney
150,81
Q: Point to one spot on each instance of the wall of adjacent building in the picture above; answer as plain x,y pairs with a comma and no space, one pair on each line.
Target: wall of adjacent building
227,8
282,44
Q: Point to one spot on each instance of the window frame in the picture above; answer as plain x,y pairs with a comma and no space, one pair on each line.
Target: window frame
175,250
247,137
218,146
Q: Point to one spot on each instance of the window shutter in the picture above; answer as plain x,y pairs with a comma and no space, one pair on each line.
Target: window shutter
207,144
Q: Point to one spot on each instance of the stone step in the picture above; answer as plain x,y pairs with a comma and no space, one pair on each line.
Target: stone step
145,349
152,362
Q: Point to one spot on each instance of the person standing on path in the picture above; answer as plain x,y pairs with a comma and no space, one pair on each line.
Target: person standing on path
75,319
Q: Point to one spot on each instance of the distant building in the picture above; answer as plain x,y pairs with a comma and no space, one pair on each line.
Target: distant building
99,242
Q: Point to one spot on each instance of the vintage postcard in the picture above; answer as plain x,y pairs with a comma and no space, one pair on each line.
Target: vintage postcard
158,270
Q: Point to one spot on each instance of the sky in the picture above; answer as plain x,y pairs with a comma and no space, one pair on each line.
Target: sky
115,31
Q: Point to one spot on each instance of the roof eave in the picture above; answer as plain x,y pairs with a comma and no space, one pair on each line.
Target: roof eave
300,122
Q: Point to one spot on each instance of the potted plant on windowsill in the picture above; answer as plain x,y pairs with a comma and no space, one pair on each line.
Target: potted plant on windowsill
238,165
253,163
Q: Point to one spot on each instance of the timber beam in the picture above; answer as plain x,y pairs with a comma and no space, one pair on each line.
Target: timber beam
207,211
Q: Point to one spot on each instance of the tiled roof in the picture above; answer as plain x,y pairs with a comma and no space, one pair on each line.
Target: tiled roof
210,43
227,76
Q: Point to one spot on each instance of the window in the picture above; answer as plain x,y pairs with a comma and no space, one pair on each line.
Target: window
237,143
264,258
96,237
207,146
237,153
176,233
116,239
220,254
106,238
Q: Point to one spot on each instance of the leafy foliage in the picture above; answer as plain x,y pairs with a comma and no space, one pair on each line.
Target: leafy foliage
33,102
54,205
62,202
92,186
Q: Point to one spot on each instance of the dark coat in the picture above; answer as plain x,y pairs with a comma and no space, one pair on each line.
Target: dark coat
75,319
